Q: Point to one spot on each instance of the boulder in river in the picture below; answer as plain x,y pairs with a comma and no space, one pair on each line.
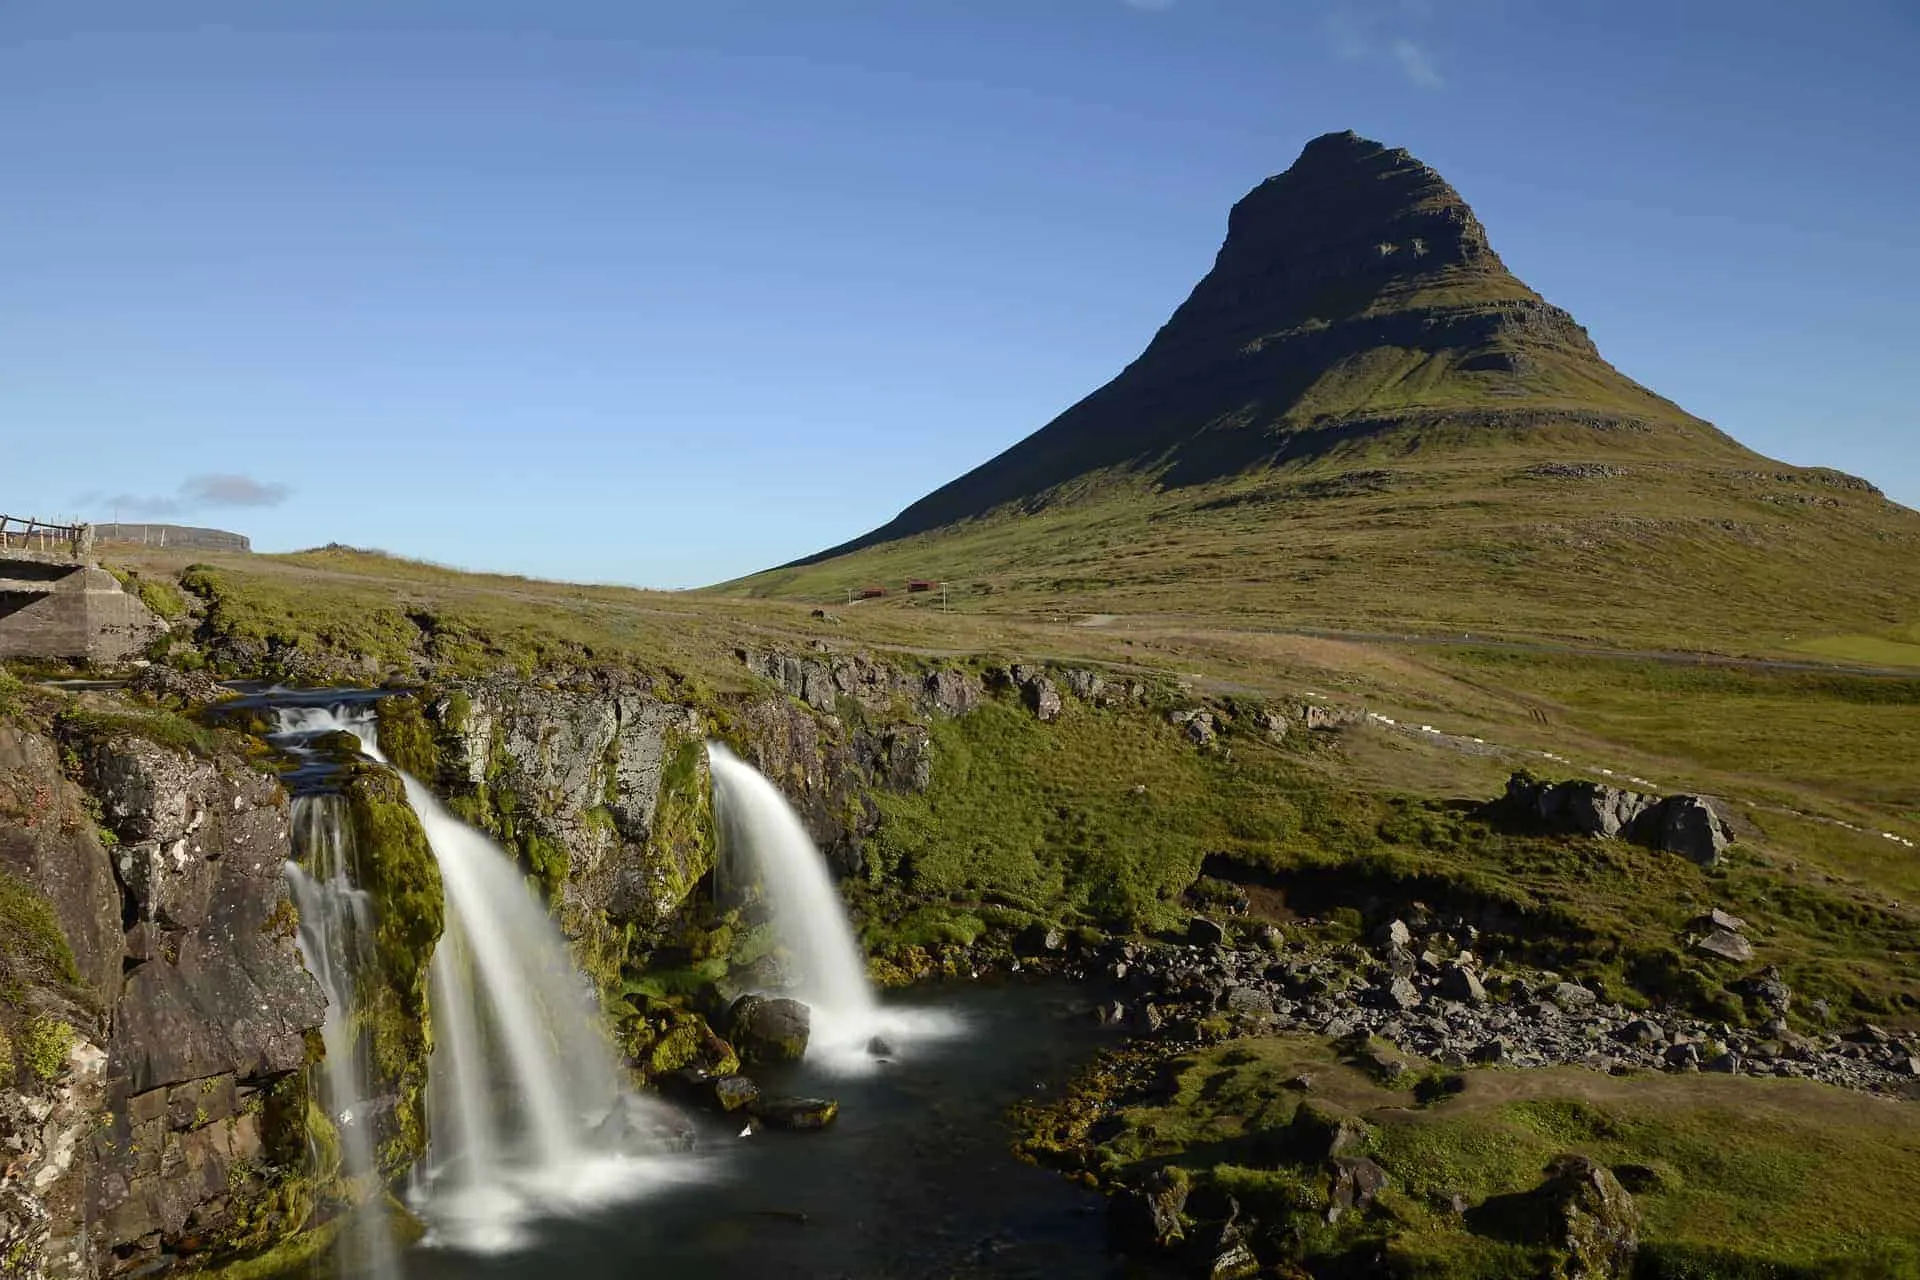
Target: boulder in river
769,1030
640,1126
697,1088
798,1114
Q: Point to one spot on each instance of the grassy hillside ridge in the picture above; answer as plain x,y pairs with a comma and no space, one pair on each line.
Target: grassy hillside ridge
1496,541
1361,419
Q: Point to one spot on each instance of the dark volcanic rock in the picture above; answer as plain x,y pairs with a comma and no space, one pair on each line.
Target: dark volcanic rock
1203,932
769,1030
1149,1218
801,1114
1357,1181
1591,1218
1320,1131
1682,824
171,687
200,857
166,880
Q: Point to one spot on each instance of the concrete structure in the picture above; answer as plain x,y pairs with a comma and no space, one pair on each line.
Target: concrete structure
57,603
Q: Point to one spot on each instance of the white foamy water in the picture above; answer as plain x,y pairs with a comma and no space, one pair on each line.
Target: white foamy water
527,1115
336,941
764,836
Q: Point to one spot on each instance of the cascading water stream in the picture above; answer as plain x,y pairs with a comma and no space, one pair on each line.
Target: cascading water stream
336,940
525,1109
760,829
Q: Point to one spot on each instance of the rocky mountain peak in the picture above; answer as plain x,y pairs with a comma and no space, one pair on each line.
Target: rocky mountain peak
1348,224
1355,297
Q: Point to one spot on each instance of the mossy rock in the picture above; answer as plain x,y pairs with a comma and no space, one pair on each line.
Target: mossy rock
1320,1131
678,1039
399,873
769,1030
407,738
683,843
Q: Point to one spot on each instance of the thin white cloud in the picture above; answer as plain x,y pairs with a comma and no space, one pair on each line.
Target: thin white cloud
1149,6
231,491
1417,65
195,493
1384,31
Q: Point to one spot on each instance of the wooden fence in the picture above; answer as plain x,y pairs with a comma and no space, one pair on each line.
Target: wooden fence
17,534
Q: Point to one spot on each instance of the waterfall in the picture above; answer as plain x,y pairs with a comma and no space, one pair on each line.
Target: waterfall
812,922
762,835
526,1113
336,940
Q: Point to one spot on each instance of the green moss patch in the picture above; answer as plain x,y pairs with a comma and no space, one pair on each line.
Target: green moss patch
406,737
397,869
1733,1176
89,723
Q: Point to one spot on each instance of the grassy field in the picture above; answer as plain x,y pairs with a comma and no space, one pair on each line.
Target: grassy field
1045,820
1794,734
1899,647
1732,1176
1108,819
1685,556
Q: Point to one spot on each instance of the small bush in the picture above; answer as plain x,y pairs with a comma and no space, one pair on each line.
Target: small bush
44,1045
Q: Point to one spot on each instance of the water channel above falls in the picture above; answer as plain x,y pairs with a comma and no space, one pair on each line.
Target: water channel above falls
914,1178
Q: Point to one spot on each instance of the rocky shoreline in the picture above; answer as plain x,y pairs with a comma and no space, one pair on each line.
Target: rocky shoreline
1457,1012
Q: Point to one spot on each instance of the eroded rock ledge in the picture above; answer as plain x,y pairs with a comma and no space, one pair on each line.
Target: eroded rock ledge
173,1119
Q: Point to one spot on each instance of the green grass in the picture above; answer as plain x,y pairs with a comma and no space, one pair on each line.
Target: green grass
1742,1172
1046,820
33,947
364,617
1103,816
10,693
1681,553
34,956
1846,736
1900,649
156,724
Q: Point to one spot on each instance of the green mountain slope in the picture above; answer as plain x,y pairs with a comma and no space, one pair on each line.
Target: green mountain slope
1361,417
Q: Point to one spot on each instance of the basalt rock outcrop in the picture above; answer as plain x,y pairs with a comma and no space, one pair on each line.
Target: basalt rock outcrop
585,781
601,785
1688,825
161,1112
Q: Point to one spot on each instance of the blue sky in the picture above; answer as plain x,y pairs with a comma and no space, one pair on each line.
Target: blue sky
661,294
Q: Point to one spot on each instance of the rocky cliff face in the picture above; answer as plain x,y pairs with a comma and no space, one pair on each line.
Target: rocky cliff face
163,1114
598,786
602,787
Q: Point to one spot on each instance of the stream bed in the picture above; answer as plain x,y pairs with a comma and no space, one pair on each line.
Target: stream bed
914,1178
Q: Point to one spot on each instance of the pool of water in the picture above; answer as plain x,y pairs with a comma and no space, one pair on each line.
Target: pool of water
914,1179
